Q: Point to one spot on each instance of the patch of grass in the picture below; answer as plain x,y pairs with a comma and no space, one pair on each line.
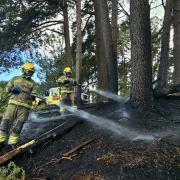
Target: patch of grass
12,172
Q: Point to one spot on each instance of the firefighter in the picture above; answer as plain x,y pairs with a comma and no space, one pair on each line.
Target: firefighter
19,105
67,84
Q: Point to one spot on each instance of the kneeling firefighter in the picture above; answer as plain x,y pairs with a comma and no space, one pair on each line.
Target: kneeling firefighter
67,84
20,102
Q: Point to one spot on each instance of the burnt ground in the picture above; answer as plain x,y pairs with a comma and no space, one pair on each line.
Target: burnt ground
109,156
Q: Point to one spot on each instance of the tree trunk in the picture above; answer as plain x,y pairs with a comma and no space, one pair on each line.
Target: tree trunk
176,24
164,57
68,57
79,43
105,54
141,66
102,68
114,25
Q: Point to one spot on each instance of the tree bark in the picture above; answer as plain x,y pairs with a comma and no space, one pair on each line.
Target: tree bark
105,54
141,64
68,57
114,25
102,68
164,57
79,43
176,24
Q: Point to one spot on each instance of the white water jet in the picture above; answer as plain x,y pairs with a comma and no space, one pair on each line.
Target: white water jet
112,96
34,117
126,115
110,125
143,137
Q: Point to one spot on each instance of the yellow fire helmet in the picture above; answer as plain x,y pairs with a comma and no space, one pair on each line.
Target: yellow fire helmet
28,67
67,70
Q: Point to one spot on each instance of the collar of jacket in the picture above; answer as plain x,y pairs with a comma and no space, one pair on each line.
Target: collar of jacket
29,78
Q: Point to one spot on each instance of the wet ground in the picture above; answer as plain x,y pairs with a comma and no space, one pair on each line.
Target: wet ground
110,156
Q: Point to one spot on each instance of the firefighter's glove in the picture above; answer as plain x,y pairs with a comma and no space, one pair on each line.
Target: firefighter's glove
66,82
73,83
16,90
40,101
59,84
33,97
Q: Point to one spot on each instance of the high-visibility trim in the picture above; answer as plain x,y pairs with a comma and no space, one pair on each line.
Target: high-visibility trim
65,91
3,136
13,139
12,101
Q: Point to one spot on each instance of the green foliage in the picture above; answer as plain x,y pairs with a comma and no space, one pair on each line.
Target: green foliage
22,18
123,38
88,45
124,79
156,40
23,28
21,25
12,172
123,58
3,95
51,70
45,107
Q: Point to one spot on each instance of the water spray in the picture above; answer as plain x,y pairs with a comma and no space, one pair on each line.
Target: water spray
110,125
112,96
34,117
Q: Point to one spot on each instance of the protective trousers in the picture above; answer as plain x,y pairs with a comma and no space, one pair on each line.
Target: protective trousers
65,96
12,123
71,97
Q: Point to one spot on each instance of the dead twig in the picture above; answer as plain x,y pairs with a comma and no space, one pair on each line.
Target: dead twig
66,156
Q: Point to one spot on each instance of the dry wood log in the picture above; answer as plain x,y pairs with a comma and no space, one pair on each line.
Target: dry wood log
57,131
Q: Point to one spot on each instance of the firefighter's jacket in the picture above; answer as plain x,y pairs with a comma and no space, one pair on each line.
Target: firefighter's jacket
24,98
66,88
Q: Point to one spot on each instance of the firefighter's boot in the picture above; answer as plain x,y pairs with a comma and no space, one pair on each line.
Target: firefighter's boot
74,108
13,140
4,127
62,110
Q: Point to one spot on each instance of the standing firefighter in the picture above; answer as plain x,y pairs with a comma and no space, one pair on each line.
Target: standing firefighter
20,88
67,84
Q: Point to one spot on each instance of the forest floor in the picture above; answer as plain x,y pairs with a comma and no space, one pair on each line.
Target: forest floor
110,156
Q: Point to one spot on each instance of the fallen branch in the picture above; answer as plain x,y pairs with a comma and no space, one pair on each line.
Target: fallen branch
170,89
77,148
59,130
